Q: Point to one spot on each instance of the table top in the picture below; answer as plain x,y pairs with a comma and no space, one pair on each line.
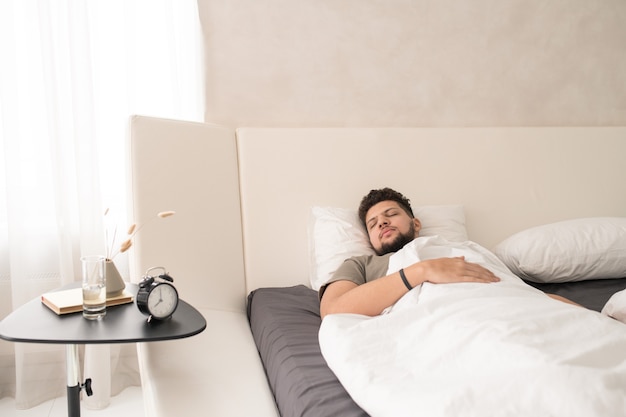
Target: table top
35,323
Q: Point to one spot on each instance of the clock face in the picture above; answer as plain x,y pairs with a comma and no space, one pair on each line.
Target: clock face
162,301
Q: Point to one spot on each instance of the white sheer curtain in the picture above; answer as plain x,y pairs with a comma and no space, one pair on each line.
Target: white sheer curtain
71,73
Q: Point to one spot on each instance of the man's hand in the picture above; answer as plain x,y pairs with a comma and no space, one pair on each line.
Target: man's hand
448,270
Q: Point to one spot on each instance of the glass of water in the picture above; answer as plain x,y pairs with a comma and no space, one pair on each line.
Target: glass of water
94,287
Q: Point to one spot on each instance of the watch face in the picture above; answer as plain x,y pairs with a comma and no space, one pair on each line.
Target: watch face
162,301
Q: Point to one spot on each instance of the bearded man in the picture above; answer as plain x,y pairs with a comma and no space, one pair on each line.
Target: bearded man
361,284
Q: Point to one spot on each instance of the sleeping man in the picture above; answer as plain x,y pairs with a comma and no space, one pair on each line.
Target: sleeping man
412,344
362,285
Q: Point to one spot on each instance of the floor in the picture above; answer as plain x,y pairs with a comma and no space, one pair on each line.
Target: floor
128,403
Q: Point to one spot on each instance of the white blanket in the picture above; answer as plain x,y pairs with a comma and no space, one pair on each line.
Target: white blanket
616,306
501,349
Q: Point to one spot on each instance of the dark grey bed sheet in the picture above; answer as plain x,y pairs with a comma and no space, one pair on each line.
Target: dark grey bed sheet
285,324
592,294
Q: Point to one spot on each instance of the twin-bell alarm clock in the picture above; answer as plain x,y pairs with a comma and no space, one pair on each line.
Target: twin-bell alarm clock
157,297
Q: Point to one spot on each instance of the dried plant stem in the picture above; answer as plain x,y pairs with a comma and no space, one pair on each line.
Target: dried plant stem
133,229
110,249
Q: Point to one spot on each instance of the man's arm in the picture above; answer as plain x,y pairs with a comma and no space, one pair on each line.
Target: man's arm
373,297
563,299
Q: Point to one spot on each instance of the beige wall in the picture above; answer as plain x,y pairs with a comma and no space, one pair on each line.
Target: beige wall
415,62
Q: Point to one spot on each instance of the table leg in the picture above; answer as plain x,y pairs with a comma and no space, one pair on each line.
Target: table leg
73,381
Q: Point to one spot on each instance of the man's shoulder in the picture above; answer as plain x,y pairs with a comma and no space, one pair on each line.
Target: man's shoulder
370,258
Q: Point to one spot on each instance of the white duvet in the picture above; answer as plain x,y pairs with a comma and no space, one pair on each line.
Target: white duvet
501,349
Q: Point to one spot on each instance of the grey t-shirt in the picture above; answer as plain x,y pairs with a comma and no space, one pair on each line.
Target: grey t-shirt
360,269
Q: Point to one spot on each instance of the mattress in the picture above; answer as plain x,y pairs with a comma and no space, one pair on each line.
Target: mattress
285,324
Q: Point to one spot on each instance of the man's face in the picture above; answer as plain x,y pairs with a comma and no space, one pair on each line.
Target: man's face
389,227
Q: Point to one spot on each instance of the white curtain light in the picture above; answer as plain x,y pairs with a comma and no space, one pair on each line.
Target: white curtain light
72,73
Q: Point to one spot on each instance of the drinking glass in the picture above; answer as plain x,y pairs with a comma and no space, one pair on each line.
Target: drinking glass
94,287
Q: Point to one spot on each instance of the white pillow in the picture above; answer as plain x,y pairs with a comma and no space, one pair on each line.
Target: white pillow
336,234
572,250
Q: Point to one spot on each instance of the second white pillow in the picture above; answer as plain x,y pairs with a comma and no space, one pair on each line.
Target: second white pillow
572,250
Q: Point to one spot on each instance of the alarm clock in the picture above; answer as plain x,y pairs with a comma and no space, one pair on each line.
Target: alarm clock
157,297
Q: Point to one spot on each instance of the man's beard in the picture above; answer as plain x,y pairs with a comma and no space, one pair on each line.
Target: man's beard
399,242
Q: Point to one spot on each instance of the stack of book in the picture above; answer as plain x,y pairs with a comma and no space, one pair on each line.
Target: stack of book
71,301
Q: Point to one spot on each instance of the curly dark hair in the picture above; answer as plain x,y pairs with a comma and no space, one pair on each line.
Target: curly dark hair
384,194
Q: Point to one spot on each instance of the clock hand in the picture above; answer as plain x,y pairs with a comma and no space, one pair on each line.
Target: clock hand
160,298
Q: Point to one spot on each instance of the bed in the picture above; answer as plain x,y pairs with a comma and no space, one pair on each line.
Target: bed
258,211
285,323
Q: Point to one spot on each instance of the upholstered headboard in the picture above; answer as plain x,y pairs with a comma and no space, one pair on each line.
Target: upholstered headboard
507,179
243,197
